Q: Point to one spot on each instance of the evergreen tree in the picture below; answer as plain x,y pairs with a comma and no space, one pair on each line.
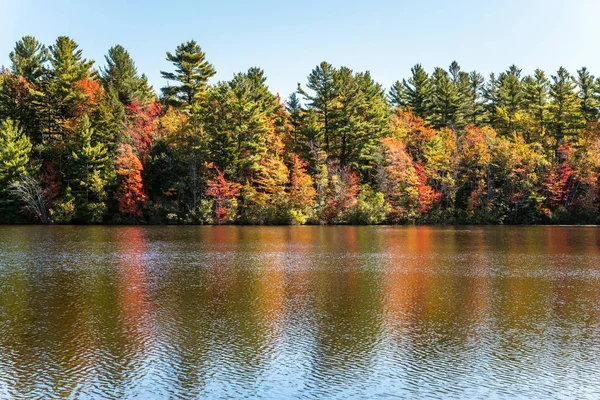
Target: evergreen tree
256,83
248,111
68,64
346,114
510,99
192,73
462,84
63,98
535,101
15,165
295,112
310,135
15,149
121,76
323,101
416,93
565,107
90,164
375,125
491,99
446,101
29,58
475,109
360,117
23,86
16,101
587,94
220,126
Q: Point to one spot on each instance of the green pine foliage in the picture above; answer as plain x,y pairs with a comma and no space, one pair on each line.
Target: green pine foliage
191,74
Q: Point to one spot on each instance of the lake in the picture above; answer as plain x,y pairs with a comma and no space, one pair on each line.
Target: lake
299,312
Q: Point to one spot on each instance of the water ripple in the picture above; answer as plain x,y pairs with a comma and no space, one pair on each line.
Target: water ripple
308,312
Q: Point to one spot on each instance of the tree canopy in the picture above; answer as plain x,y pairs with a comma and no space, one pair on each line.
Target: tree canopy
86,144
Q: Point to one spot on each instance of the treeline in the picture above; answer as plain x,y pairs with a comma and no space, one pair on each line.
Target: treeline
86,145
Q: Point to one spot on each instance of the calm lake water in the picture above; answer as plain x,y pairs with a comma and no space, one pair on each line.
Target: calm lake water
299,312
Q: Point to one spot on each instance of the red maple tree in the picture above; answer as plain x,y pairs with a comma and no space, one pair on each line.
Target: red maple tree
222,192
142,125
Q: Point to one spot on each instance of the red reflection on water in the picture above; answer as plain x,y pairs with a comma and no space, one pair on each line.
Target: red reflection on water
132,282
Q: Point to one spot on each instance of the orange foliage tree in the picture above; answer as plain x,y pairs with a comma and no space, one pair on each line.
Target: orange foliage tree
91,95
412,131
557,179
474,169
130,194
302,191
404,182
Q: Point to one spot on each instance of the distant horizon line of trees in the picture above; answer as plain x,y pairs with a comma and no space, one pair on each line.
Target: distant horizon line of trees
85,145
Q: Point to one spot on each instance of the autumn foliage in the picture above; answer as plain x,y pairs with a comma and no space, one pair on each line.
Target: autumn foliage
91,92
130,194
223,192
142,126
444,146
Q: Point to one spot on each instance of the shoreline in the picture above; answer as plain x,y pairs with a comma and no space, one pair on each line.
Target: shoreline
314,225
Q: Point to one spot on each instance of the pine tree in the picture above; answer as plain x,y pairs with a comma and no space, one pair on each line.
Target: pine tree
219,122
491,99
475,109
63,97
347,121
249,123
375,122
510,99
192,73
309,136
462,84
416,93
565,107
535,101
90,164
22,89
121,75
15,166
446,101
295,112
321,83
15,149
256,82
587,94
68,64
29,58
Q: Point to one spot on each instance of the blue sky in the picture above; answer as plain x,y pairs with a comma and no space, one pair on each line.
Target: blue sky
288,38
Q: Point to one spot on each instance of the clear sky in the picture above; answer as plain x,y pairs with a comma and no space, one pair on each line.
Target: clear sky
288,38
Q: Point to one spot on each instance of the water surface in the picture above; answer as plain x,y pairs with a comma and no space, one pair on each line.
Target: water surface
299,312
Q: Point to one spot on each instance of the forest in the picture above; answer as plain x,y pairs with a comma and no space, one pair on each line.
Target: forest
87,145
